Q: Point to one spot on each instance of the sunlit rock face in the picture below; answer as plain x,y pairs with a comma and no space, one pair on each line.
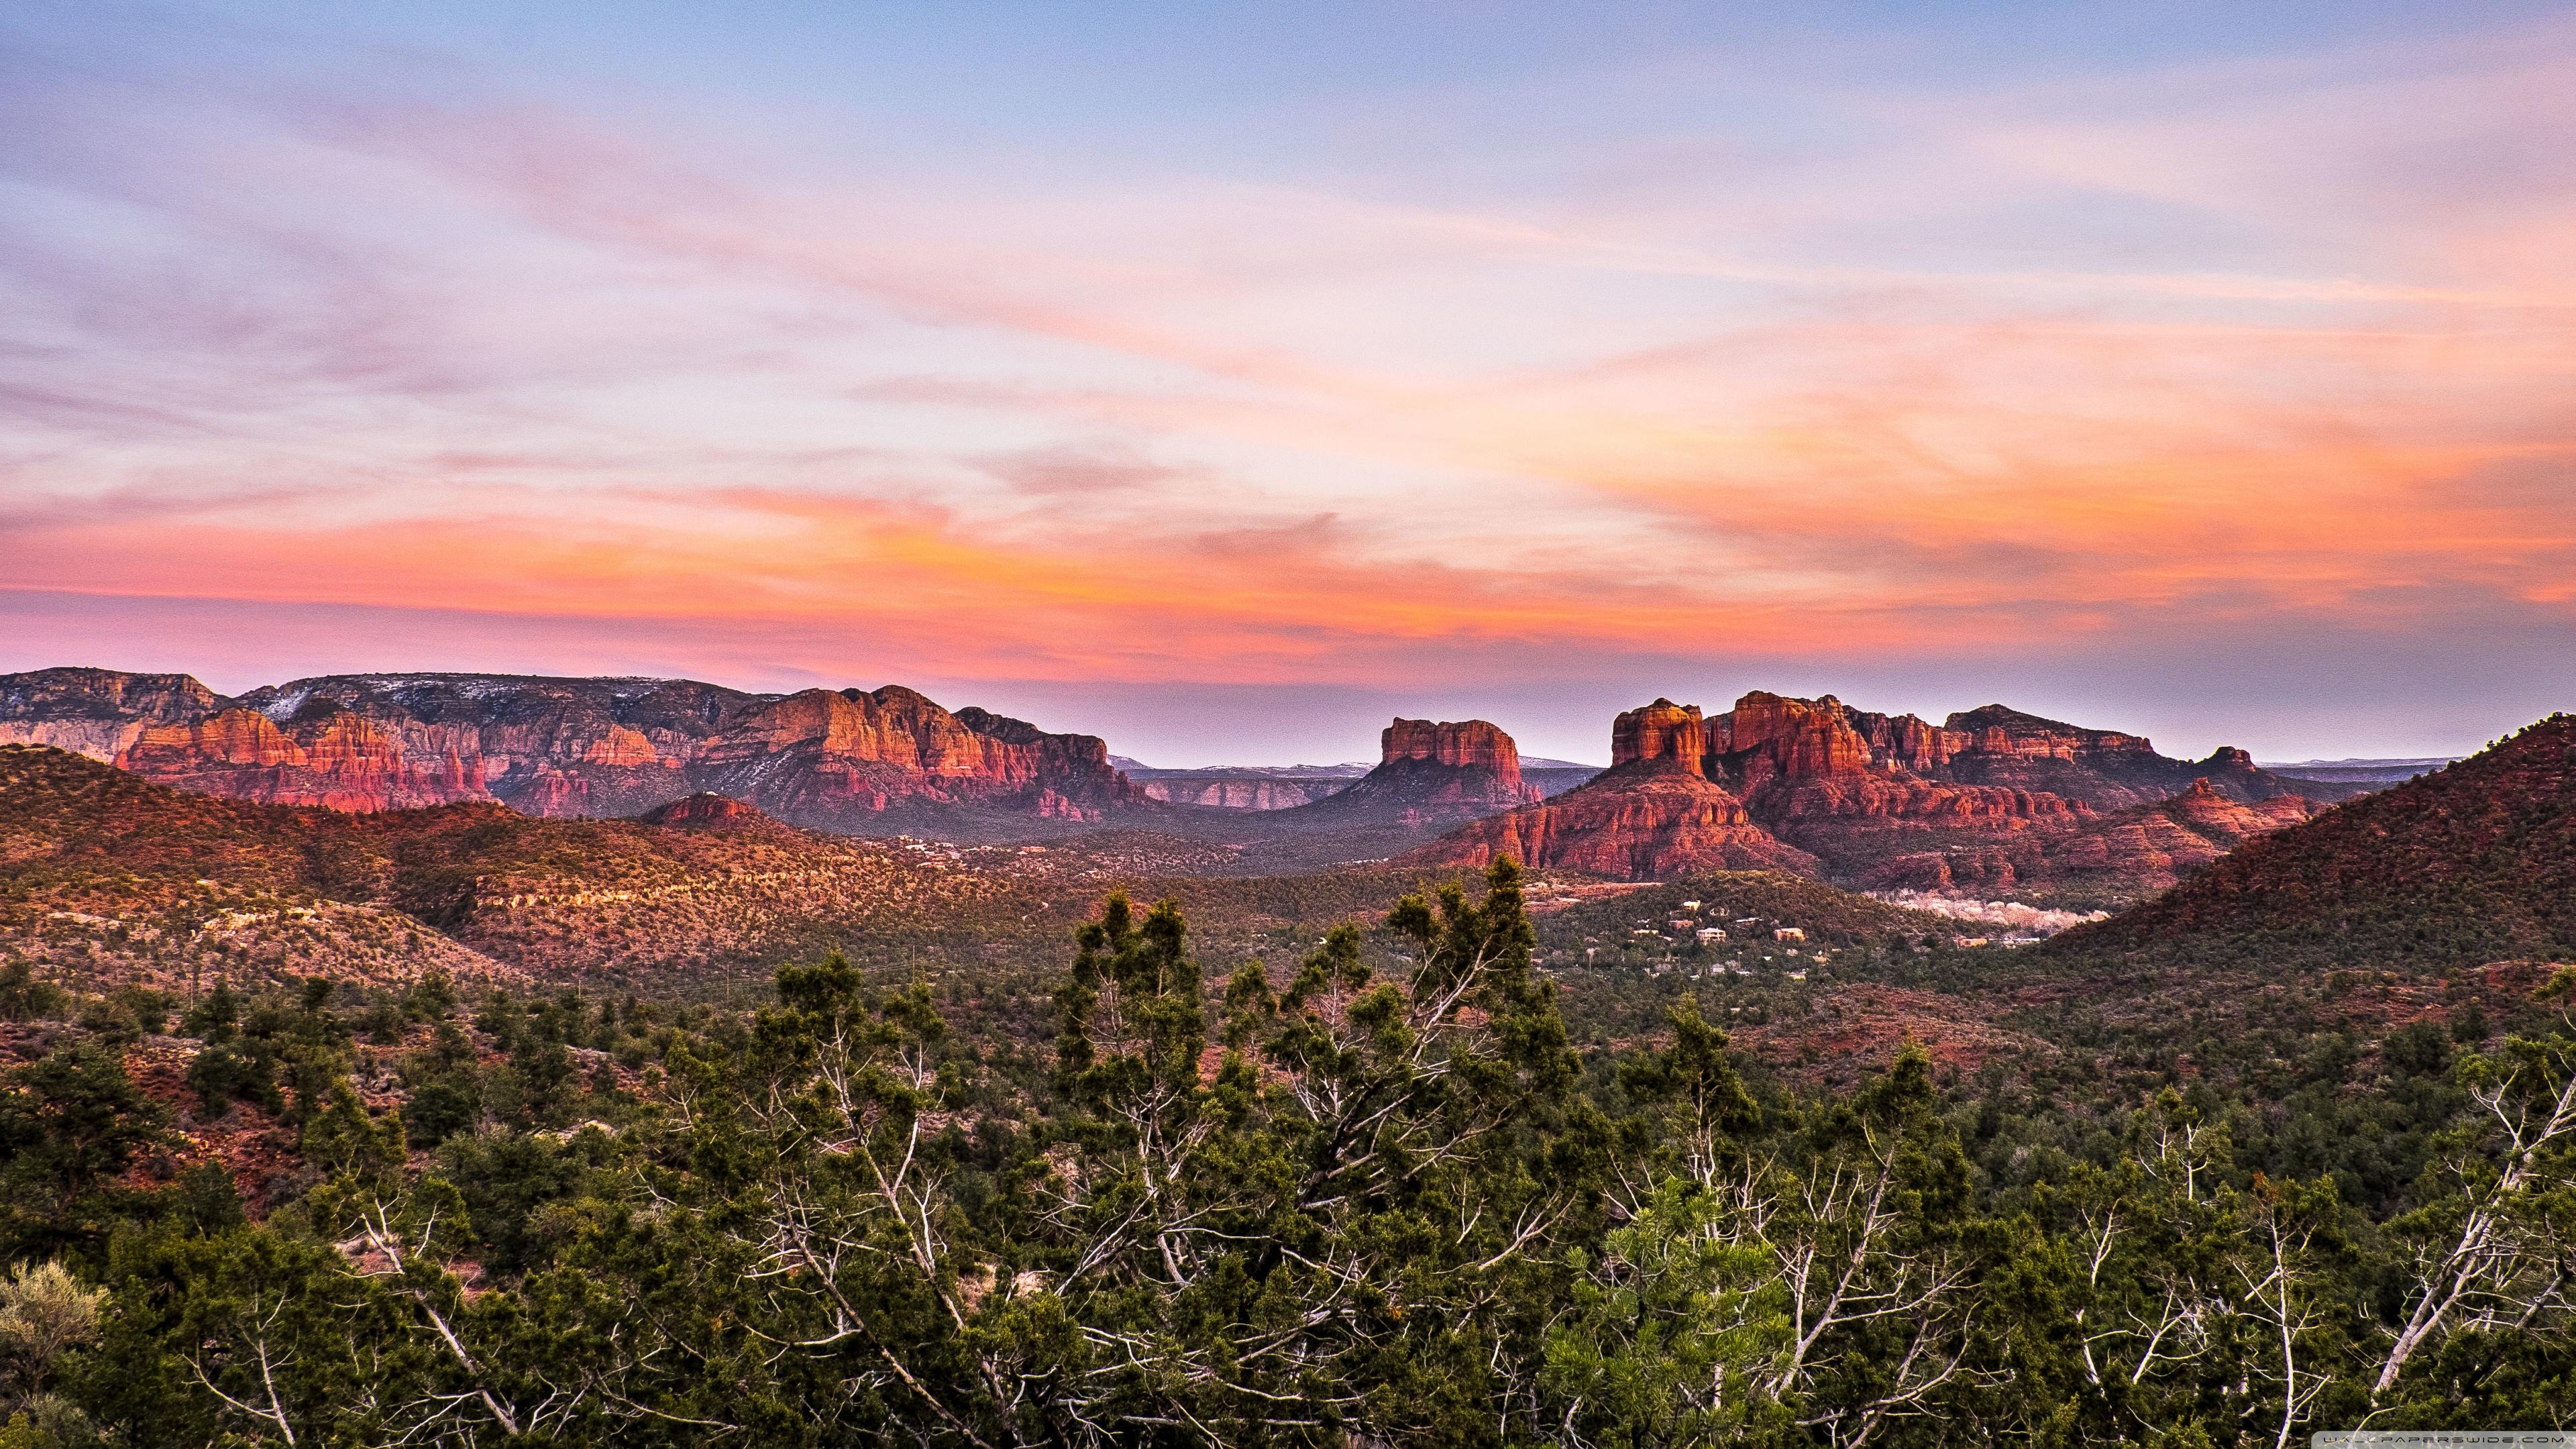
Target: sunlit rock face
1880,798
96,712
1662,731
829,758
337,759
1468,744
1642,821
1990,799
1654,813
832,759
705,811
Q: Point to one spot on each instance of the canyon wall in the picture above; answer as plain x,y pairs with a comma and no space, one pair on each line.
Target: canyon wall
846,759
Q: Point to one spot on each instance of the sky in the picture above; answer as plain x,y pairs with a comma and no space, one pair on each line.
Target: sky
1224,379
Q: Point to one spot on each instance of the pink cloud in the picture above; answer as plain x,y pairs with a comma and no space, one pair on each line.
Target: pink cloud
398,352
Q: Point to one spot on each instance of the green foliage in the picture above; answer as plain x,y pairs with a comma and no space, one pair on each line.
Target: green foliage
70,1123
1385,1194
24,997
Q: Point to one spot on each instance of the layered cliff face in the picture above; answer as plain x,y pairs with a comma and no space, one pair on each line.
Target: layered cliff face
1660,731
1653,814
1468,745
2105,769
848,760
545,746
1767,735
1988,800
1855,788
96,712
1984,789
333,758
2141,850
1641,821
2156,845
834,759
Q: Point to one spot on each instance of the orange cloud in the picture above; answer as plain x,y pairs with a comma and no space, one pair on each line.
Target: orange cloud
1912,397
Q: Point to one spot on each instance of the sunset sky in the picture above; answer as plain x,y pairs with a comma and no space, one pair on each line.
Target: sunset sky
1224,379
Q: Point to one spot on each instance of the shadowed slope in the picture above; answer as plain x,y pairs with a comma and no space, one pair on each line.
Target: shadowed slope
2474,863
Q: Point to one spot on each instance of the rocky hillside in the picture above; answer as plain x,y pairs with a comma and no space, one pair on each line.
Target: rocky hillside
104,875
849,760
108,878
2117,856
2471,864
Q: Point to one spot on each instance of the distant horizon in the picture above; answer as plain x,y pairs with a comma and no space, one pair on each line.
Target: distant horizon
1178,758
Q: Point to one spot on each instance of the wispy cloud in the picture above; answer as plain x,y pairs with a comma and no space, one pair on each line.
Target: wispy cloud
1896,372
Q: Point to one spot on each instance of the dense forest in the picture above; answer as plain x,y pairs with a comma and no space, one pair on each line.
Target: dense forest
1384,1195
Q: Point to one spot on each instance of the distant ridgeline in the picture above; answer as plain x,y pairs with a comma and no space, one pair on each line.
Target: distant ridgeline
1991,801
833,759
2375,773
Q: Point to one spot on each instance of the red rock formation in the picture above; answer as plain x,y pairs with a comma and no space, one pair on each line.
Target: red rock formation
569,746
827,759
96,712
1857,789
2157,845
1431,776
2145,849
1910,742
1860,790
1794,737
234,737
1469,743
339,760
1647,820
545,746
1653,813
1660,731
1989,799
704,811
2000,730
621,746
2102,769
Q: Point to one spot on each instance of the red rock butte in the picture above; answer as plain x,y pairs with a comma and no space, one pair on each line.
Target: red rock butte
1653,813
1660,731
1464,743
1430,776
